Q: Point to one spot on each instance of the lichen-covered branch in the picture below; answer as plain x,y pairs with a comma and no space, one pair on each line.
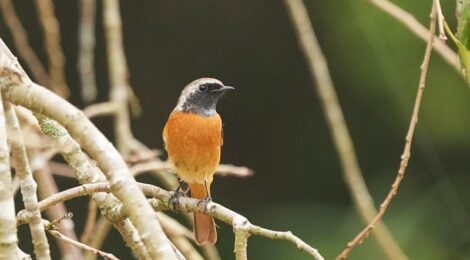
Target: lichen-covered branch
8,238
18,90
27,184
87,173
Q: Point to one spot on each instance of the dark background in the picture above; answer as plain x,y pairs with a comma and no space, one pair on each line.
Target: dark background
273,122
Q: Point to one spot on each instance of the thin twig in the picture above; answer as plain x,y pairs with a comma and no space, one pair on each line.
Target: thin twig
20,38
223,170
409,138
440,22
50,27
27,183
86,56
419,30
53,231
343,142
47,187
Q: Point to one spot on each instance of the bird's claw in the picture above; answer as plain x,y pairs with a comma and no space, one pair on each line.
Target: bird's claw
181,191
203,202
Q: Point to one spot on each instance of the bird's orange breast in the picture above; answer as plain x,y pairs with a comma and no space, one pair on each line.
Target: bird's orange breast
193,144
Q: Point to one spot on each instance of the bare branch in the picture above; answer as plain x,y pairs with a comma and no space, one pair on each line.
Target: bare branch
100,109
101,232
180,236
419,30
50,27
118,75
409,138
222,170
162,202
86,56
53,231
343,142
440,21
46,187
89,229
87,173
8,238
20,38
17,89
27,183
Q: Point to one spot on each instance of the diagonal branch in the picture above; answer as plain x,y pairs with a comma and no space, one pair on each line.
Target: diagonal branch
409,138
20,38
419,30
54,232
344,146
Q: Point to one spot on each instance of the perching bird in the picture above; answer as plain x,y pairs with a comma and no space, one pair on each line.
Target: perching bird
193,139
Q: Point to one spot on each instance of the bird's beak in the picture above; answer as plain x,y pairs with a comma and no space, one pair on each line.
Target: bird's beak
223,89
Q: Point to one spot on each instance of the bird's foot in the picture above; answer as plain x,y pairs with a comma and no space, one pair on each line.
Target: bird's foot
181,191
202,204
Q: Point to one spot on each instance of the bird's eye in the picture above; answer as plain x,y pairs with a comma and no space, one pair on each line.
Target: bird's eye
203,88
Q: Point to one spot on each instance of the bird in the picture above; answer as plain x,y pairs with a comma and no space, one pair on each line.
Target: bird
193,139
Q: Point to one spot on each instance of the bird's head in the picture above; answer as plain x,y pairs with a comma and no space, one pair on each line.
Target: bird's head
201,96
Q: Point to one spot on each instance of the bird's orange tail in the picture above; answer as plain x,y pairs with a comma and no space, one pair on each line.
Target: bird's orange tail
204,226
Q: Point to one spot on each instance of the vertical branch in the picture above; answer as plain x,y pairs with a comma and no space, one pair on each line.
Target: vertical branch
8,238
241,244
47,187
50,26
86,64
27,183
20,38
102,229
336,122
118,75
89,229
180,236
405,157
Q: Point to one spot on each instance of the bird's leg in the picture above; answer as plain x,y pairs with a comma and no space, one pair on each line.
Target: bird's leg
181,190
203,202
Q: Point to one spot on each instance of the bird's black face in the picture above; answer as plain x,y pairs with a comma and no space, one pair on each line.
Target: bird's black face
201,96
